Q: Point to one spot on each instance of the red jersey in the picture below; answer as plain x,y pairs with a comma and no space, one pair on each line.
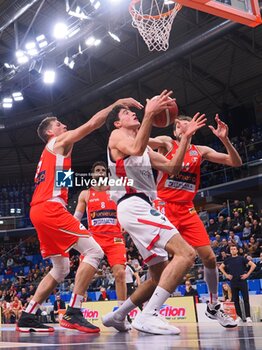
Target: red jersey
46,176
182,187
101,213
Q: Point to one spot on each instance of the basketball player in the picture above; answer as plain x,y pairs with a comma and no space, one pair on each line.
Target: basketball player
58,231
152,233
103,223
178,192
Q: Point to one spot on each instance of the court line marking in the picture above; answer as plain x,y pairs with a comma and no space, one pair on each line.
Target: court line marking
135,342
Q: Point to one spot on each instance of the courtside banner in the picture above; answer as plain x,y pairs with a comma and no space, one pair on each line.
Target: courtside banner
178,309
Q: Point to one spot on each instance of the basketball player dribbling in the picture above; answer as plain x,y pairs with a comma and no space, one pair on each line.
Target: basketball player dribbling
153,234
178,193
58,231
105,228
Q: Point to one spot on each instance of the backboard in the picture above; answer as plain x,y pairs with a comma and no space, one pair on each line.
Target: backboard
246,12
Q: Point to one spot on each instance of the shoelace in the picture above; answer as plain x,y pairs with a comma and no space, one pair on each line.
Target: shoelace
224,315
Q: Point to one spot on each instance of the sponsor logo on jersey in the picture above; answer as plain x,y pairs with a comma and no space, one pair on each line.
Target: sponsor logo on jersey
118,240
193,153
40,177
192,210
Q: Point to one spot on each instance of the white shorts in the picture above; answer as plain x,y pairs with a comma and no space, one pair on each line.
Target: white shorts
149,229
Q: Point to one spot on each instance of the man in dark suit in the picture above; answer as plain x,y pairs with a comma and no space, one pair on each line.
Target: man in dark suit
58,305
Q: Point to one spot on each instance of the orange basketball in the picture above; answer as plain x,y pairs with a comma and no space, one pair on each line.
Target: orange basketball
166,117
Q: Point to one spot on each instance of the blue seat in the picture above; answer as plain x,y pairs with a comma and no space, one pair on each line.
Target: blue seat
220,289
201,288
26,269
261,283
181,288
52,298
112,294
253,285
92,295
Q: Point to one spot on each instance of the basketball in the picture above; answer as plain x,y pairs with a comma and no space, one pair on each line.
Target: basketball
166,117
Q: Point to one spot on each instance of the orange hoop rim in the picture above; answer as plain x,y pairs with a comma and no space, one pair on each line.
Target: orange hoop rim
165,14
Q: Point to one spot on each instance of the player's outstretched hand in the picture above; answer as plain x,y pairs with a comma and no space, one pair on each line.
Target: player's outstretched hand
222,129
130,102
197,122
157,104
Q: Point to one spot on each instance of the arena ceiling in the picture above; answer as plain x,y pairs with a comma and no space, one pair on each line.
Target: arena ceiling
212,65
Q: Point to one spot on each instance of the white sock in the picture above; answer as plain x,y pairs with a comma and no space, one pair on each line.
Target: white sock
32,307
120,302
76,300
124,309
211,278
158,298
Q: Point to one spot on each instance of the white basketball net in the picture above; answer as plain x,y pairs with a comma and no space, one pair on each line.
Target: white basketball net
154,21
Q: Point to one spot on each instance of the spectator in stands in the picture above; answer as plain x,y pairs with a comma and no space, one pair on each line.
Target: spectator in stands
234,268
234,239
23,295
6,311
226,291
256,230
246,230
190,291
258,269
253,247
237,222
10,262
224,246
223,255
212,227
228,225
16,308
32,290
251,216
216,248
224,210
59,304
238,207
221,225
250,205
132,278
103,296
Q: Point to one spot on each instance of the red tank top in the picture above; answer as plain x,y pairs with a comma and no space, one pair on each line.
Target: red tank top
101,213
47,176
182,187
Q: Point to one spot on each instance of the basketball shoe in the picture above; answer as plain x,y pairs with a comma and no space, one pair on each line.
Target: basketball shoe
29,323
153,324
74,319
110,320
216,313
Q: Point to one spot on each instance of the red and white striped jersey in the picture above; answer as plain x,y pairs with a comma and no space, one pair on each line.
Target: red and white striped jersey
137,169
183,186
45,177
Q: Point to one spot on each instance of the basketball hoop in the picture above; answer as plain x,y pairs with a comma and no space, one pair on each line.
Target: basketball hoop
154,19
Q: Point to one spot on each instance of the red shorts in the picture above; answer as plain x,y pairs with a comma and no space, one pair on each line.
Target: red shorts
56,228
185,218
113,246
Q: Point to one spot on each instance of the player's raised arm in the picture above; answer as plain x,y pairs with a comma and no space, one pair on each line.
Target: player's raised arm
232,157
135,146
72,136
173,166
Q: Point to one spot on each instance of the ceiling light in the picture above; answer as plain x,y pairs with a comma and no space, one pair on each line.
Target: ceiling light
60,31
97,42
97,5
40,38
17,96
30,45
90,41
21,57
49,77
73,32
114,36
7,102
69,62
32,52
43,44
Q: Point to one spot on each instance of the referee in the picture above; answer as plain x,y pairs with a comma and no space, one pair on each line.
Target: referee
236,267
131,277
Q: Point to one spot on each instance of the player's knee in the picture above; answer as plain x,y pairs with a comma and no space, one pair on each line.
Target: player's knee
210,260
120,275
60,269
93,256
190,256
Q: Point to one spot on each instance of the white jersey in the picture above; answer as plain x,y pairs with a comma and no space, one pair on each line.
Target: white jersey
137,173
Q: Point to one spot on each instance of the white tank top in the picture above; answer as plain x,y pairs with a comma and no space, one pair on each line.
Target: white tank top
137,171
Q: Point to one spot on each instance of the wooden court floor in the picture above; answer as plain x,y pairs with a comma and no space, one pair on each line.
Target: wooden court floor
203,336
